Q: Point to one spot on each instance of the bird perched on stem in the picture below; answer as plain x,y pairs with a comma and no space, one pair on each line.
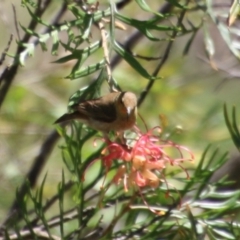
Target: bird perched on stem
115,111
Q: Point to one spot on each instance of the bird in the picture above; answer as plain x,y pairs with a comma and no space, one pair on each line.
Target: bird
115,111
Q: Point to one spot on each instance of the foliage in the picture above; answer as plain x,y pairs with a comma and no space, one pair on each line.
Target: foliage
86,203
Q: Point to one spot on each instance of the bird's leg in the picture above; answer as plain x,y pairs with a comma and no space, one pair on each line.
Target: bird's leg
122,138
119,137
106,137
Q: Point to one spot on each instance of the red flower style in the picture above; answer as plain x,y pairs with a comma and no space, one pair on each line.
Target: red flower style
146,157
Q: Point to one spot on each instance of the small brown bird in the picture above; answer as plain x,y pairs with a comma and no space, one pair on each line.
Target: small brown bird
115,111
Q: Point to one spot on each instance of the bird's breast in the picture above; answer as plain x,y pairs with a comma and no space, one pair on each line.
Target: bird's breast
119,124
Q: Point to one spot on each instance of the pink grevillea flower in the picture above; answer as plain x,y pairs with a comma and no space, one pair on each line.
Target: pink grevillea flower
143,159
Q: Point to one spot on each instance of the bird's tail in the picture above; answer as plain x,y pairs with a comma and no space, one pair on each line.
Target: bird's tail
67,117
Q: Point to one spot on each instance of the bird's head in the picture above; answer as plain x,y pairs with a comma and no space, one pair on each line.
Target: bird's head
127,103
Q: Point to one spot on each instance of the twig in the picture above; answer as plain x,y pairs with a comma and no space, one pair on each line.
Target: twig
106,54
161,63
5,51
15,21
27,233
89,9
69,216
122,4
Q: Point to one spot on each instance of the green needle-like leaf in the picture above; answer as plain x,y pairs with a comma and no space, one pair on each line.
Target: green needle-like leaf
232,127
146,8
87,70
132,61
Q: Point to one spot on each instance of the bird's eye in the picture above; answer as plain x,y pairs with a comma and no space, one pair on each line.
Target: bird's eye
121,97
121,101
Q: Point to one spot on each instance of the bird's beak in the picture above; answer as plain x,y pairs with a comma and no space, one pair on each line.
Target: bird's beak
129,110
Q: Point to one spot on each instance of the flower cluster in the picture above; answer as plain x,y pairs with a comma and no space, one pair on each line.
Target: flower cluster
143,159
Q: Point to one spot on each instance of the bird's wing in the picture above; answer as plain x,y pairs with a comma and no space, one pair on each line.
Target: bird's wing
97,110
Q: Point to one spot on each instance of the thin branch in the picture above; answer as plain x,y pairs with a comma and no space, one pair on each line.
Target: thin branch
122,4
106,54
15,22
2,58
89,9
27,233
162,62
69,216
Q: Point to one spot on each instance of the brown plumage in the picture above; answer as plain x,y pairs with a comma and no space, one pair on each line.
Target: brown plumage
114,111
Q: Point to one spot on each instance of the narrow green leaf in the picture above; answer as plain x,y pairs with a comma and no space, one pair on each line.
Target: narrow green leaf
29,31
204,173
89,92
55,38
66,58
210,234
43,46
224,234
145,26
92,48
87,70
61,204
113,12
22,202
100,14
208,42
224,30
6,234
132,61
65,158
233,12
77,54
40,200
189,43
233,130
87,23
69,142
192,220
209,46
77,12
71,38
81,55
144,6
226,35
29,51
37,19
150,24
235,126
